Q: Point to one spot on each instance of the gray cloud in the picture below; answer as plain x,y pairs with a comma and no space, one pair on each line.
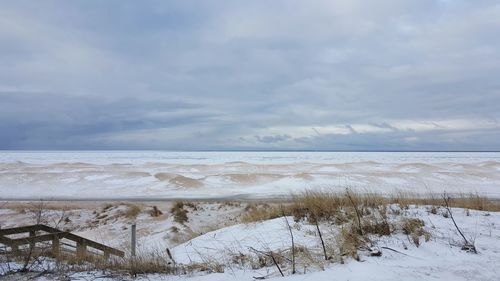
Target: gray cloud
273,139
390,75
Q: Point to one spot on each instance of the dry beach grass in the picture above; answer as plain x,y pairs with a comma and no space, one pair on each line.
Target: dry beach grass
358,219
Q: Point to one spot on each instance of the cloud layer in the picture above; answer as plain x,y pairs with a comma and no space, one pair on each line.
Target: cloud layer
346,75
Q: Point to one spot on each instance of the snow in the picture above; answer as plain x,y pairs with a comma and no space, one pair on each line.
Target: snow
440,258
214,232
164,175
270,235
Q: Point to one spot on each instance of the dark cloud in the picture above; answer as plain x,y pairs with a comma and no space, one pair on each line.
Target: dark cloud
273,139
390,75
385,125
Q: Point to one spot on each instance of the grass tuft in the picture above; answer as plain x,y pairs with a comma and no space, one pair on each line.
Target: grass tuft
180,214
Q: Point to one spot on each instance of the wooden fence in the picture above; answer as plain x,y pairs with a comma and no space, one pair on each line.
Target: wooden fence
39,233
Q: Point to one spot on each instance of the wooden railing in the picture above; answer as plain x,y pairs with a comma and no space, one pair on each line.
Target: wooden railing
54,236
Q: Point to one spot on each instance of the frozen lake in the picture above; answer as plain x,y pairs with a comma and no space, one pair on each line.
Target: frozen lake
164,175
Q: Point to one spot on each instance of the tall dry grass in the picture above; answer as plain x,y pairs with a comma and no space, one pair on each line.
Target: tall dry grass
472,201
330,206
261,211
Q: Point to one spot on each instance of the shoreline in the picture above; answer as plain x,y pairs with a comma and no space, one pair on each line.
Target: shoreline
235,198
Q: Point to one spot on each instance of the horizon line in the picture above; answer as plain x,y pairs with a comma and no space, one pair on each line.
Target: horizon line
238,150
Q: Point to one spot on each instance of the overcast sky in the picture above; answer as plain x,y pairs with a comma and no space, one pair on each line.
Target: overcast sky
336,75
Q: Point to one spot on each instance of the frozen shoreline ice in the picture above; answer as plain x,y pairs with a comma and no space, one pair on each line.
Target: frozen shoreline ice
164,175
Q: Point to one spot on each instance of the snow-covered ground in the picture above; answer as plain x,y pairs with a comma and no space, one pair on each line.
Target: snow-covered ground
440,258
155,174
214,232
109,223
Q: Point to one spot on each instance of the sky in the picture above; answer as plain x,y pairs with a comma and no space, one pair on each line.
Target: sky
250,75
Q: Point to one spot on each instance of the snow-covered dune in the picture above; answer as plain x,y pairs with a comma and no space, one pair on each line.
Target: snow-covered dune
440,258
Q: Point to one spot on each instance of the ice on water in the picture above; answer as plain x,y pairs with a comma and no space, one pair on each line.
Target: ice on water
155,174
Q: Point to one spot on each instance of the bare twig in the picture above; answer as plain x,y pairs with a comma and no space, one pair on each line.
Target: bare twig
358,215
271,255
321,238
396,251
293,243
467,246
275,263
29,259
268,253
172,259
60,220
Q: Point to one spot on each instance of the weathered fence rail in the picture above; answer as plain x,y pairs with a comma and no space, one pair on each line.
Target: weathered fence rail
54,236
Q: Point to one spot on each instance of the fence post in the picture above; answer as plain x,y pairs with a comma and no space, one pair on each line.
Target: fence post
132,246
55,246
81,249
32,244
